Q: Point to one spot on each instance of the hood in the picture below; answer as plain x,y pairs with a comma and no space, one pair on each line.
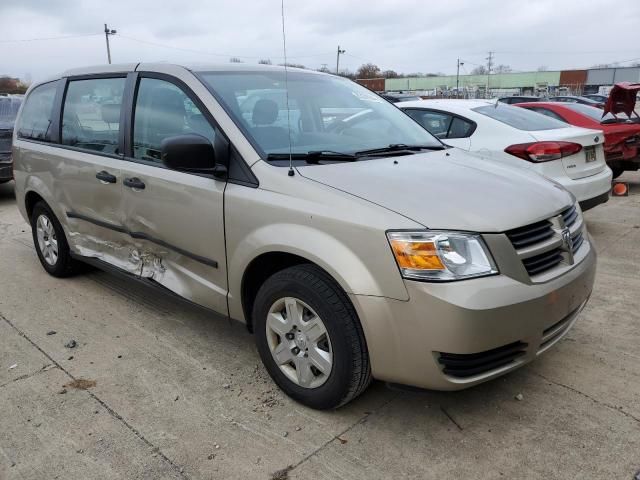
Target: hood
622,98
456,191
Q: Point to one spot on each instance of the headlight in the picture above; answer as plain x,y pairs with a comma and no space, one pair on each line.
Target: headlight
441,255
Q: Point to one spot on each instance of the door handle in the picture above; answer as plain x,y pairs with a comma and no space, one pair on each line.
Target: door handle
134,182
106,177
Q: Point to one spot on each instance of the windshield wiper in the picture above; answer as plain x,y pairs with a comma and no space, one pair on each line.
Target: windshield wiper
315,156
396,148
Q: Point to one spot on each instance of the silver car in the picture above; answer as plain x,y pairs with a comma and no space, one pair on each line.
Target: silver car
352,249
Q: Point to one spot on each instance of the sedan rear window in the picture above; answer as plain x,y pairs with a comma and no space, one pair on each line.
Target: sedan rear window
519,118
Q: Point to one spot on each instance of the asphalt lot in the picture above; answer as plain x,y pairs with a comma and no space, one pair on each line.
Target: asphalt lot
180,394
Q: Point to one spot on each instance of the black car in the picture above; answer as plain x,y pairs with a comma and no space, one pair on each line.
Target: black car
518,99
399,97
577,99
9,106
597,97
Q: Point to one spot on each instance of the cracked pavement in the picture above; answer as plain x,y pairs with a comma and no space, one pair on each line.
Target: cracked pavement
181,393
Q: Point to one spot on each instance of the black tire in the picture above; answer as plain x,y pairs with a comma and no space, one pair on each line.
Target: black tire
351,373
617,171
64,266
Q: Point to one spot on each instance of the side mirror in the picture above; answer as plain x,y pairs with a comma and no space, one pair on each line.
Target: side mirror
190,153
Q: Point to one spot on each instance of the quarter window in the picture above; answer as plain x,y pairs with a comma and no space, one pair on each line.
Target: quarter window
436,123
163,110
91,114
460,128
548,113
35,121
441,124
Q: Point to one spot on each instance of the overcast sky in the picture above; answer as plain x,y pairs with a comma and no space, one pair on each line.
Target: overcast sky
403,35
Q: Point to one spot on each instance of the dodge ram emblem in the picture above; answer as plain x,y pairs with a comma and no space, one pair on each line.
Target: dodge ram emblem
567,244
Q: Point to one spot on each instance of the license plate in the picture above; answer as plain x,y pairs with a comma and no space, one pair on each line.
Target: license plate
590,152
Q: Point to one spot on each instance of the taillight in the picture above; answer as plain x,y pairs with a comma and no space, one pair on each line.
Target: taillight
538,152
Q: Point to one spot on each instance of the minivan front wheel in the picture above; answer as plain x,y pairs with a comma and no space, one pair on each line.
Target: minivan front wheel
310,339
50,242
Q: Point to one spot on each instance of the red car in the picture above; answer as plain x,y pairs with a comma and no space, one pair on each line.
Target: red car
621,133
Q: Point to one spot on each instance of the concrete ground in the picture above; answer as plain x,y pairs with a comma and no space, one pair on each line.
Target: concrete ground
180,394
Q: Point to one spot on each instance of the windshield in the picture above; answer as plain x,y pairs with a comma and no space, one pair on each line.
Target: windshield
520,118
596,113
8,110
326,113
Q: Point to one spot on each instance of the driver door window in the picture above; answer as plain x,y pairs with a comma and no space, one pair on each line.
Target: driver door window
163,110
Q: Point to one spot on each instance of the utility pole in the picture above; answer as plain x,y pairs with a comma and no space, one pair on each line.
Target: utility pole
489,65
338,60
108,32
458,78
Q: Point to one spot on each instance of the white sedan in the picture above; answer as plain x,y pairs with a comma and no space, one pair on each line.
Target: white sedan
571,156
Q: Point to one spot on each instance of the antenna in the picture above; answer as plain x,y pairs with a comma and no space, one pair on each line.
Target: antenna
291,172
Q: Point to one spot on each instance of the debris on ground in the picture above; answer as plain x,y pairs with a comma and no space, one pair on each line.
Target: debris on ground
342,440
177,398
62,391
70,358
71,344
298,429
285,434
282,474
211,456
519,397
226,386
216,446
51,332
13,366
81,384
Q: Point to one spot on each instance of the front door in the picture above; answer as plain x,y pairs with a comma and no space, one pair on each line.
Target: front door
175,219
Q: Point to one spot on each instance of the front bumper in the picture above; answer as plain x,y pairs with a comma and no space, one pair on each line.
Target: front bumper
405,339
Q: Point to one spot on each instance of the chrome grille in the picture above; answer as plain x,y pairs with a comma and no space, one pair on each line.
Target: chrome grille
540,245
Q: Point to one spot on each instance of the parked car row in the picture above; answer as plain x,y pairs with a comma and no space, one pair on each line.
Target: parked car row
571,156
9,106
352,242
591,100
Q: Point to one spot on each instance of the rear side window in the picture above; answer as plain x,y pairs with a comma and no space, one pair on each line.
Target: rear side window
436,123
35,121
91,114
441,124
163,110
548,113
519,118
460,128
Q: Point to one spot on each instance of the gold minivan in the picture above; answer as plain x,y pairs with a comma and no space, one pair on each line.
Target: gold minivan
348,239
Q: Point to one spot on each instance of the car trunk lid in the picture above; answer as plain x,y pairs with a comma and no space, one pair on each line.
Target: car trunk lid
588,161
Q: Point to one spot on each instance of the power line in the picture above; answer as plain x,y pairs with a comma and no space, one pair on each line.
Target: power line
214,54
64,37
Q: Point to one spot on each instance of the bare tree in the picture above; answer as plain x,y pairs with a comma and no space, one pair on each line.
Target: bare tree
368,70
543,68
348,74
235,60
390,74
264,61
292,65
479,70
502,69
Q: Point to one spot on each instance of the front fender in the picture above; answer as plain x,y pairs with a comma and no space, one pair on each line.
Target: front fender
346,266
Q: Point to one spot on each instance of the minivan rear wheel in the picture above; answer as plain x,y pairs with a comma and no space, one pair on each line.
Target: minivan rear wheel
51,243
310,339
